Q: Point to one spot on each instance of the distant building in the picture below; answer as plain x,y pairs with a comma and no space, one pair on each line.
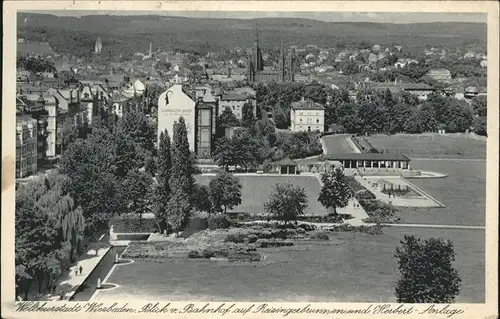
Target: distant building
439,74
420,90
307,116
98,46
235,102
26,146
255,66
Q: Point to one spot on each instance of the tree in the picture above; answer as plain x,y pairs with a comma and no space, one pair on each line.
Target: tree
224,152
38,242
247,118
135,187
201,198
427,274
163,190
181,180
91,166
286,202
227,119
225,191
335,192
479,105
138,127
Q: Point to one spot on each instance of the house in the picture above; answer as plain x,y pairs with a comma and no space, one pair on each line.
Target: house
439,74
235,101
307,116
421,90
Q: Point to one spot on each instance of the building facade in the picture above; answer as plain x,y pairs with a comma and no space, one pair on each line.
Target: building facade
26,146
307,116
174,103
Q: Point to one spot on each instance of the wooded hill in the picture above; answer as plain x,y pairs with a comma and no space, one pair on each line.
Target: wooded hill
129,34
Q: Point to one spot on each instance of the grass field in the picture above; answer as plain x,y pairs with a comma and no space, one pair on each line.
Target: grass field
349,267
435,146
257,189
337,144
463,193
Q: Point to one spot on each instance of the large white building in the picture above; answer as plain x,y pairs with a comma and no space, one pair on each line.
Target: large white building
307,116
172,104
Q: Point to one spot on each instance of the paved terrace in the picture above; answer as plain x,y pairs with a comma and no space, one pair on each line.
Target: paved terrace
421,199
69,281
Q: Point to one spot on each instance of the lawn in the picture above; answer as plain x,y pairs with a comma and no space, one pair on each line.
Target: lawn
431,146
337,144
257,189
463,193
349,267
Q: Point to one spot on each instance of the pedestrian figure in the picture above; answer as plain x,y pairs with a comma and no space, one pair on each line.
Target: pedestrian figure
81,269
62,295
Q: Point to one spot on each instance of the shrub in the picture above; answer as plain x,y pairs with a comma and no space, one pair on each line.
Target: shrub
262,243
243,256
307,227
207,253
237,238
252,238
194,254
219,221
320,236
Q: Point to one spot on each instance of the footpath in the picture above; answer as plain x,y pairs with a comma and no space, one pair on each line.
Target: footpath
71,280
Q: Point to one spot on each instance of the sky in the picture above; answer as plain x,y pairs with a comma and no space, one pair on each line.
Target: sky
381,17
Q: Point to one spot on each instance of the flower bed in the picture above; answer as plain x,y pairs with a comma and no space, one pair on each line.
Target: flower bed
371,230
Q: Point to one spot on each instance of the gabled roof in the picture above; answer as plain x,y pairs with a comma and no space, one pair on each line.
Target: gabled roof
287,162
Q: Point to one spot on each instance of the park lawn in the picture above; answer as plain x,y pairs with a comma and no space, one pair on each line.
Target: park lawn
463,193
257,189
337,144
432,146
349,267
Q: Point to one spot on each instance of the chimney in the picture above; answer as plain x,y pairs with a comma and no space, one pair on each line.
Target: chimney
229,71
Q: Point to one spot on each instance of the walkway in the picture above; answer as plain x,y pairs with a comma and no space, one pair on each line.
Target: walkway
435,226
69,281
448,159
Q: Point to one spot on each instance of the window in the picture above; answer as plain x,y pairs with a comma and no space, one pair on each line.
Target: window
317,120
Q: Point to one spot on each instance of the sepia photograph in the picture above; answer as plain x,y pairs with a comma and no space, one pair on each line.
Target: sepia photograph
257,156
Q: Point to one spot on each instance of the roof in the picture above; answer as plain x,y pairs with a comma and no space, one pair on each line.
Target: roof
307,105
439,71
367,157
287,161
234,97
417,86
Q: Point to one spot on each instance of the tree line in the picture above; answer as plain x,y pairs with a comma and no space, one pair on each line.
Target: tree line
377,111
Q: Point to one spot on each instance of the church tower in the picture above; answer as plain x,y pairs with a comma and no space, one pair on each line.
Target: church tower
291,66
281,65
257,54
98,46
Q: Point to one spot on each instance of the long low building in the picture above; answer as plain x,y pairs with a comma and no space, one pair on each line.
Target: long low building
324,163
371,160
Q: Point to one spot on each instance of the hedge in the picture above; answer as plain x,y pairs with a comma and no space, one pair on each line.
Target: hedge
134,225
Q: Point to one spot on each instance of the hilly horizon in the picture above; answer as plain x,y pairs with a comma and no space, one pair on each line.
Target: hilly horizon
129,34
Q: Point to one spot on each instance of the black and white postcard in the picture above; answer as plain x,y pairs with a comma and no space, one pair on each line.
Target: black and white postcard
250,159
